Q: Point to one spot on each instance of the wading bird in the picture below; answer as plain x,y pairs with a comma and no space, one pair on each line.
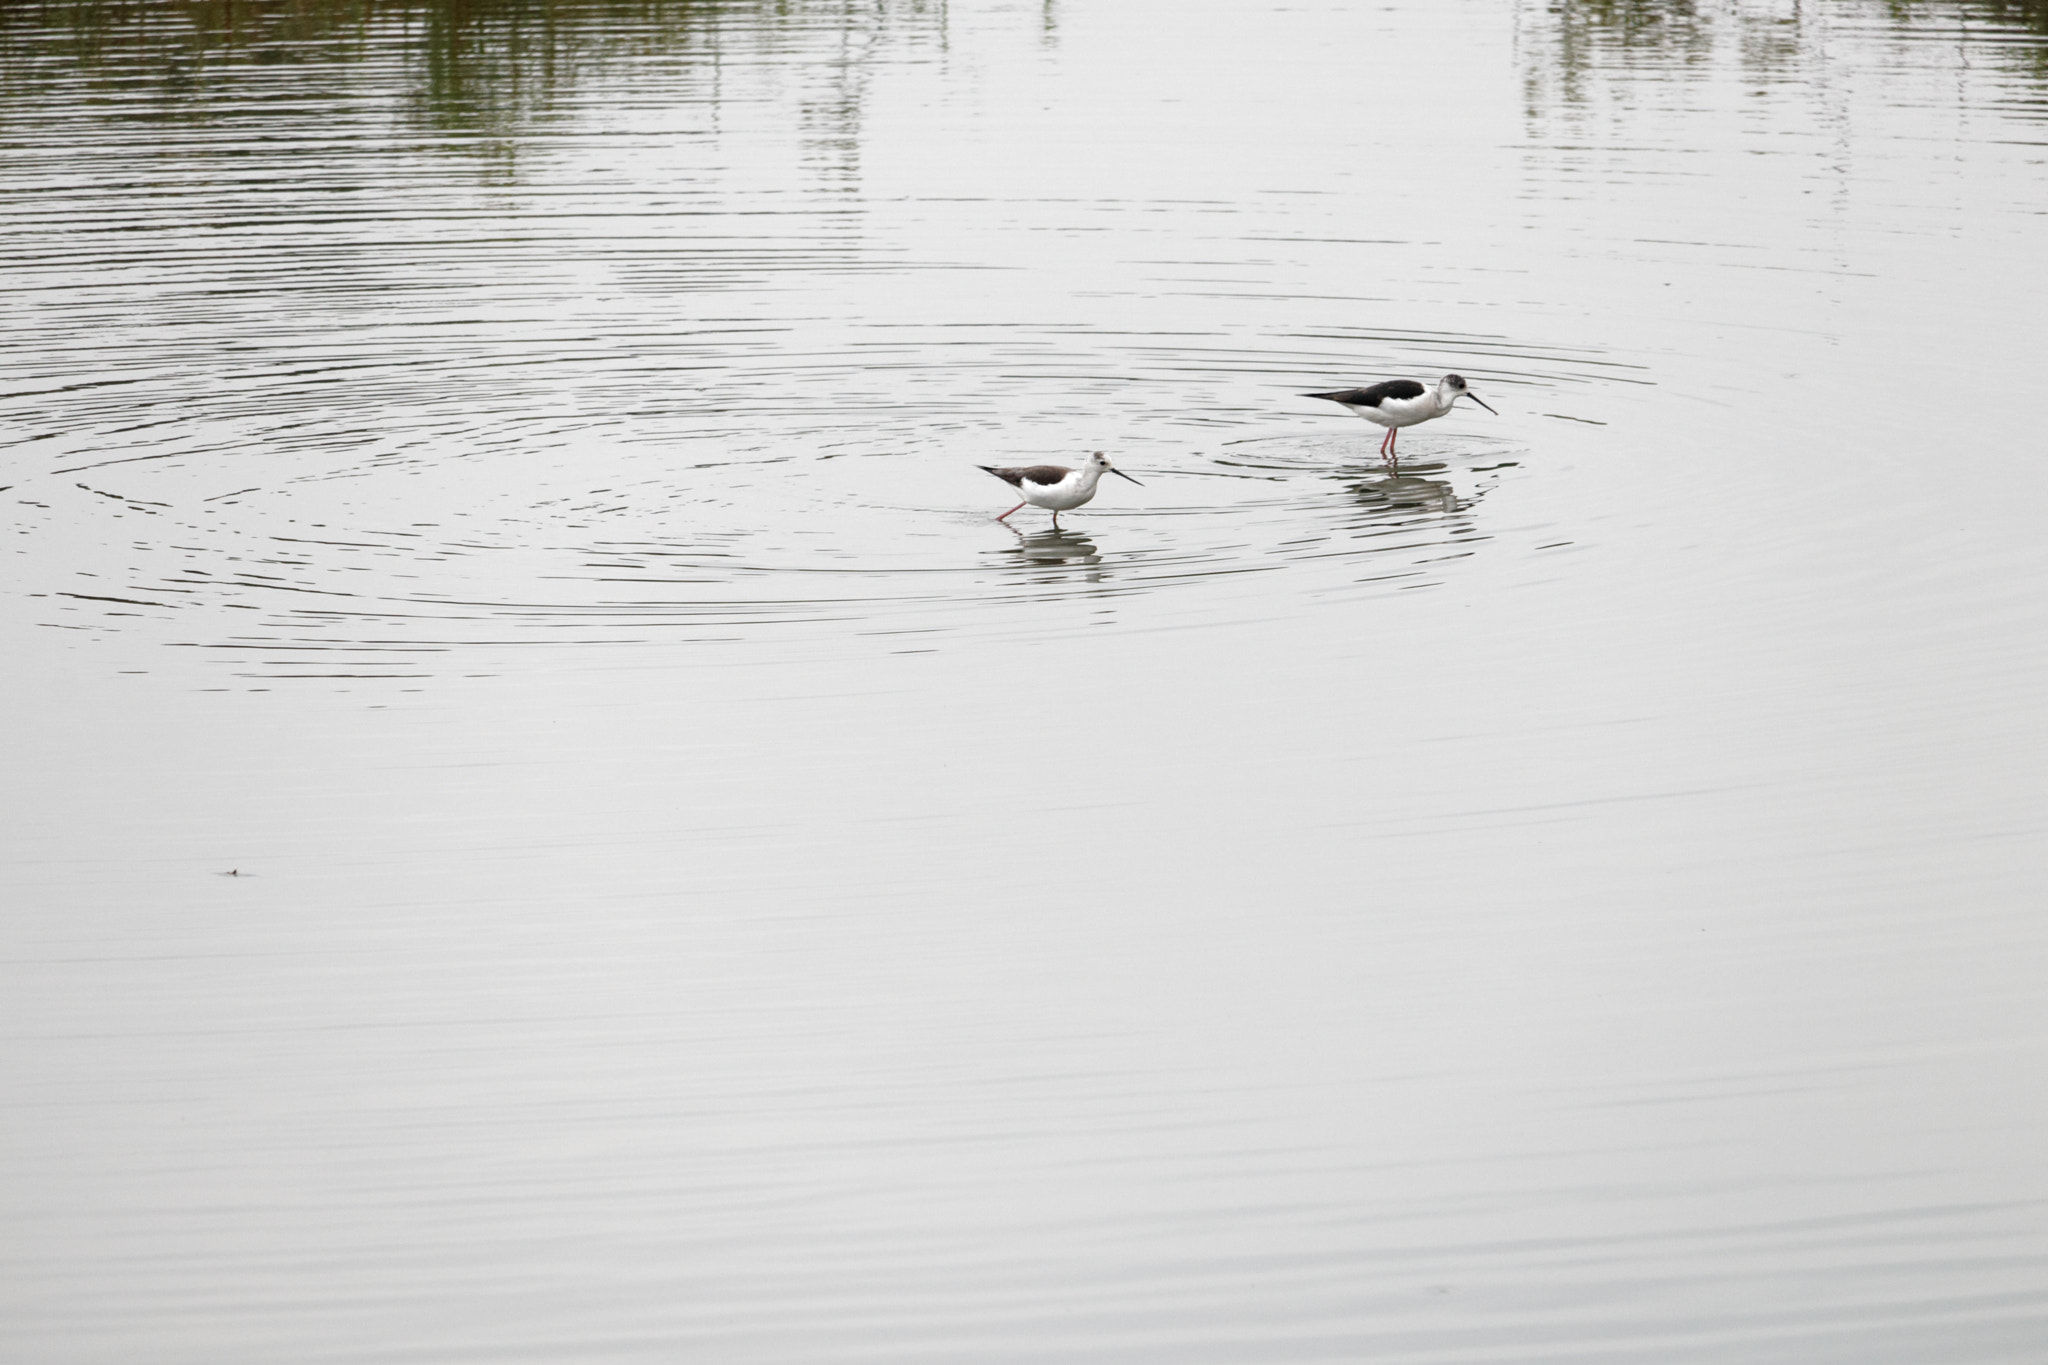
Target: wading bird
1054,486
1401,403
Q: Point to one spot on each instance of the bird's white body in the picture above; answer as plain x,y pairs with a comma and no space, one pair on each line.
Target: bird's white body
1077,487
1055,487
1406,412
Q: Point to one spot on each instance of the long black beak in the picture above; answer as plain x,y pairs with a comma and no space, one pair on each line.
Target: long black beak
1477,399
1121,475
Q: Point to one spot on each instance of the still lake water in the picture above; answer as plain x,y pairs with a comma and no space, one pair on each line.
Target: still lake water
545,822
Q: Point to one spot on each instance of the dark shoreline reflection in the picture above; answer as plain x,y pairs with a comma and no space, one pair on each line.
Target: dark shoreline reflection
490,67
1566,47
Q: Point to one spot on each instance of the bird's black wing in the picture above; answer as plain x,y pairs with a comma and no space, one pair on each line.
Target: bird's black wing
1045,475
1012,477
1373,395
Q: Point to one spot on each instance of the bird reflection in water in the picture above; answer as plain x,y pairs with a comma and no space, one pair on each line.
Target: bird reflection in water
1055,558
1406,493
1054,548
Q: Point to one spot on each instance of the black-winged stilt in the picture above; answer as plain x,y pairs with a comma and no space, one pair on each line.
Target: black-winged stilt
1398,403
1056,487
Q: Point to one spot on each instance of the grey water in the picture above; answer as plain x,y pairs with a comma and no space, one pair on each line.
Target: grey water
545,820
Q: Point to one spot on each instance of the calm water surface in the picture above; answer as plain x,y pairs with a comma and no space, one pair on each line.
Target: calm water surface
545,821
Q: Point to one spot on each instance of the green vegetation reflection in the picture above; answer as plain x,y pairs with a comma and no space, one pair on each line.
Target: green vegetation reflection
466,65
1567,45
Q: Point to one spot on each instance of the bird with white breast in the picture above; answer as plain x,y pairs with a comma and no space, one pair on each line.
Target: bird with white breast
1398,403
1055,487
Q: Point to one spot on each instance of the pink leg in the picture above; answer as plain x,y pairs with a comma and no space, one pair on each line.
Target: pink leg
1011,510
